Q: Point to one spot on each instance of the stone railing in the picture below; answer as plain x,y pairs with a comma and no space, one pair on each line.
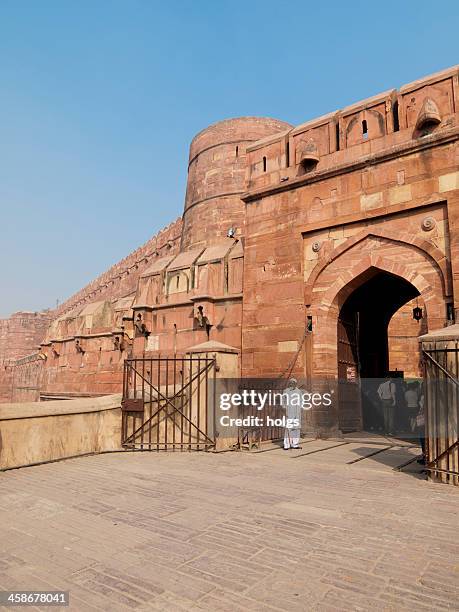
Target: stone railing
33,433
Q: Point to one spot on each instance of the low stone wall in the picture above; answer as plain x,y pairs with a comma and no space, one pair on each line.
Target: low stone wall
34,432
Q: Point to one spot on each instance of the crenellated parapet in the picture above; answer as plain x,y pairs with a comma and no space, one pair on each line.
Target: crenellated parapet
363,134
274,217
121,278
182,299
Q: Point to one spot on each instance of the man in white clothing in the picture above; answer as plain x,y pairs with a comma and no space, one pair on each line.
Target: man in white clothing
292,401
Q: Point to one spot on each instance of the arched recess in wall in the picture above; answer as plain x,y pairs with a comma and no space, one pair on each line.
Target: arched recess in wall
434,255
334,280
178,282
367,124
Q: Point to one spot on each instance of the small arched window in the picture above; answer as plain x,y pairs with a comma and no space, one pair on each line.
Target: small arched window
364,129
264,164
395,116
237,151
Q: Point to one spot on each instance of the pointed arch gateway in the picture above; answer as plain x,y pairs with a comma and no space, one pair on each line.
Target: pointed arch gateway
352,295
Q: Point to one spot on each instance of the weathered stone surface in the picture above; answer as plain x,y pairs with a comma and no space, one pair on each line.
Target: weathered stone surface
262,531
34,432
270,242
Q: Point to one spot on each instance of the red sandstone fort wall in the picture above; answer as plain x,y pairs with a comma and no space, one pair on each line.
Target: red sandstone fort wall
373,186
20,335
217,172
121,279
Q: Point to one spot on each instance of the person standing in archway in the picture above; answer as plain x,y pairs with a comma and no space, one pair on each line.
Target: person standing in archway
292,401
386,393
412,398
421,426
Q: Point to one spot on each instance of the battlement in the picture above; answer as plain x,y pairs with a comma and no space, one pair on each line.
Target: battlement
381,172
23,332
392,120
121,278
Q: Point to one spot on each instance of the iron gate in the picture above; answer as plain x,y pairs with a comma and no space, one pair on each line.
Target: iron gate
350,400
168,403
441,372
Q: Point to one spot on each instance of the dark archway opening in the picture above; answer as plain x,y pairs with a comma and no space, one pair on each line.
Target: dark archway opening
363,347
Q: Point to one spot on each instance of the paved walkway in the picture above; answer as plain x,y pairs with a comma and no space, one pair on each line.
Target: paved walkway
272,530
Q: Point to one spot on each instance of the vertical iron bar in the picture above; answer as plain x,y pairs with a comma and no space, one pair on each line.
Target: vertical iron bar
214,368
456,424
150,400
125,395
159,403
426,413
124,380
128,391
135,397
206,399
143,400
123,418
181,403
175,402
437,413
166,405
190,415
150,403
449,396
198,401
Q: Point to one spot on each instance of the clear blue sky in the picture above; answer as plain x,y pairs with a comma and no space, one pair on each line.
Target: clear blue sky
99,100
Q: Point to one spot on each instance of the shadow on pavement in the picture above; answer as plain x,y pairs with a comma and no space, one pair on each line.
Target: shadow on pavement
399,458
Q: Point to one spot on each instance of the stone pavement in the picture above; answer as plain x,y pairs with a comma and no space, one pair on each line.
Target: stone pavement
268,530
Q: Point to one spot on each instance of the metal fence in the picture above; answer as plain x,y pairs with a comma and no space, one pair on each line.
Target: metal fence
168,403
441,370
